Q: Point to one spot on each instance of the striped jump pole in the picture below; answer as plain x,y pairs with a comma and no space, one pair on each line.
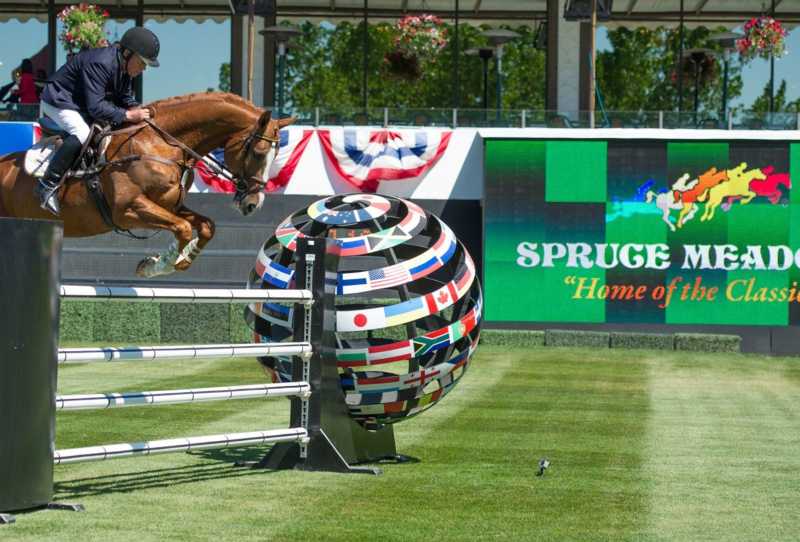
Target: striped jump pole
132,353
183,295
97,401
210,442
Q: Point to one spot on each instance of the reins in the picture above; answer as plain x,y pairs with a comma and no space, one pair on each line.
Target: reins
95,188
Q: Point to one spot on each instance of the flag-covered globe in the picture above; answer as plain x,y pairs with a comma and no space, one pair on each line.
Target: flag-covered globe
408,302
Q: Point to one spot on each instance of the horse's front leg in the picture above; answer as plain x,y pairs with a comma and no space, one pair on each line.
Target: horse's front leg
205,232
144,213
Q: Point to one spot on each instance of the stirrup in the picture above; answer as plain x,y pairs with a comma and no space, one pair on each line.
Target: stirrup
48,198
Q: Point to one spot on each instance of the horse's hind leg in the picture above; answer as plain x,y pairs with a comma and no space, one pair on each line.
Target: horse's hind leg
205,232
144,213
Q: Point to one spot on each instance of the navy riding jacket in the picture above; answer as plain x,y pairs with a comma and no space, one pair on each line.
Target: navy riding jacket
95,83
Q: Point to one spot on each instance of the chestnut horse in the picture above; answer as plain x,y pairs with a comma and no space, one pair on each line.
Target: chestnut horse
148,192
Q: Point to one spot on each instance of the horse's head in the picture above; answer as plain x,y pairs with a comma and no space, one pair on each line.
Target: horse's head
756,174
249,155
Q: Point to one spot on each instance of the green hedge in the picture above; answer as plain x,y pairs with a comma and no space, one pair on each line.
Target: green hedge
575,337
512,337
153,323
645,341
706,342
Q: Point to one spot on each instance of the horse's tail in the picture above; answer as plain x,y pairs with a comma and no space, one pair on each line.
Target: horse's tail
648,197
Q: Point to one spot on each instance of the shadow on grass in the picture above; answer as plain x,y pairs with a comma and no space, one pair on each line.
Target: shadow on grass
66,490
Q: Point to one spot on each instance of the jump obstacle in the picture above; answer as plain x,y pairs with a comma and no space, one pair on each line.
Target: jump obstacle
161,397
322,436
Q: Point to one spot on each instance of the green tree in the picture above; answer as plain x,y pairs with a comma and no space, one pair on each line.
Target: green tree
326,69
780,102
225,77
640,73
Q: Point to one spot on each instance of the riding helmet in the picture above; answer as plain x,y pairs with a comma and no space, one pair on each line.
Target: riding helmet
142,42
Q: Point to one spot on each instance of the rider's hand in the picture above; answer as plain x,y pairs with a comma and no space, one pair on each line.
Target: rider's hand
137,114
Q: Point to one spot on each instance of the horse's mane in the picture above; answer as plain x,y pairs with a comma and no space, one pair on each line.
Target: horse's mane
172,107
205,98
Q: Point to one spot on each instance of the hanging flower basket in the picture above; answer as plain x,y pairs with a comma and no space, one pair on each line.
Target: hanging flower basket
708,69
763,37
419,39
402,66
84,27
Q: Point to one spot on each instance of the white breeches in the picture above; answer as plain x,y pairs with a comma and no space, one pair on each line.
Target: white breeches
69,121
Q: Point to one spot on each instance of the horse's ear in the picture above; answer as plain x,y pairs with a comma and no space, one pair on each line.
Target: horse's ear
282,123
264,119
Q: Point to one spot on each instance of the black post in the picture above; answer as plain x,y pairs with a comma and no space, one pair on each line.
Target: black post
680,63
366,55
281,76
52,39
138,83
725,88
29,313
498,64
696,90
456,51
772,73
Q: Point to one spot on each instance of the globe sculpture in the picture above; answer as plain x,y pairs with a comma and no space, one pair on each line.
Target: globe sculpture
408,302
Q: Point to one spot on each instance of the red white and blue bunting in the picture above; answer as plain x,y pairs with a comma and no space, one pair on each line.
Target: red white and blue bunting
363,158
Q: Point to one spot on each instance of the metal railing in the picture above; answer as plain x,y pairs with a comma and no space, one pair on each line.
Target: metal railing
507,118
531,118
10,112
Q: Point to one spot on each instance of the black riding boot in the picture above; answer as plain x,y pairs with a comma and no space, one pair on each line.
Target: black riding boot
62,160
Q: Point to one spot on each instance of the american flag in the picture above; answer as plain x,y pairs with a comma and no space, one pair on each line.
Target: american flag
388,276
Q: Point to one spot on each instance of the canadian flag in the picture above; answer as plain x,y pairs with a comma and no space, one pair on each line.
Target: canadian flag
441,298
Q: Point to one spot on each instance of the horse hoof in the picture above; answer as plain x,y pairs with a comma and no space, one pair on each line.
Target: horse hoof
182,265
145,267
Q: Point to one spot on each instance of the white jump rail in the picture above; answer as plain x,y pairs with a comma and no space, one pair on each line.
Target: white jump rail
162,397
183,295
210,442
132,353
98,401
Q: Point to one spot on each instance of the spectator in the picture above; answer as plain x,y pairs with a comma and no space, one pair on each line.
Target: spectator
26,91
41,81
7,92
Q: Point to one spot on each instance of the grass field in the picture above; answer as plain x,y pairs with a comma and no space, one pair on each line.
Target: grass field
644,445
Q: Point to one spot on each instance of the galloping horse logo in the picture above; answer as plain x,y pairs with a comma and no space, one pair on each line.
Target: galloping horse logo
667,201
769,187
714,188
706,181
738,185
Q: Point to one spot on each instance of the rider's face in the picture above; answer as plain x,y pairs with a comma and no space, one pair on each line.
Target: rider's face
135,66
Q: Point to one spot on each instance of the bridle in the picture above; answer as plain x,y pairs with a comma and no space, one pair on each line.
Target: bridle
245,186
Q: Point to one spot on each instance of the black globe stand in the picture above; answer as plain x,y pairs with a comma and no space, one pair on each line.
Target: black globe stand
336,441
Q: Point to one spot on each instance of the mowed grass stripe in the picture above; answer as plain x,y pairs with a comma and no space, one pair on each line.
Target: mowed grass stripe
723,448
584,410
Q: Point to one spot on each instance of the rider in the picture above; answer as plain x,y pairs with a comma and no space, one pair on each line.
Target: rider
94,85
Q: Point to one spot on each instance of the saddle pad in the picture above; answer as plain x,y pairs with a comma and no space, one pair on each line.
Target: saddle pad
37,158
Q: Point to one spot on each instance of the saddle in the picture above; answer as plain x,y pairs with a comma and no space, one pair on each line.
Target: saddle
88,161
